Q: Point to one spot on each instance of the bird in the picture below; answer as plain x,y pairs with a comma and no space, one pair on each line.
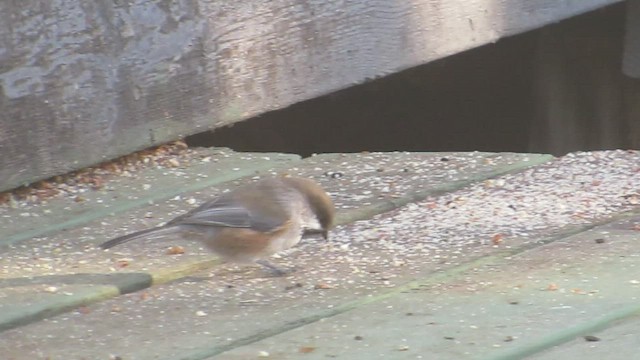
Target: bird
252,221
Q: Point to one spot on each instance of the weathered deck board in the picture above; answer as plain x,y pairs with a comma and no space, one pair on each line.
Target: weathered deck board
83,82
501,256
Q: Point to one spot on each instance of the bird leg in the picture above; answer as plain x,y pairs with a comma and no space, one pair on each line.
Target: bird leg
275,270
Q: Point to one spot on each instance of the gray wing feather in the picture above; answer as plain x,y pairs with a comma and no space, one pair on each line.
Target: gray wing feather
219,216
148,233
225,212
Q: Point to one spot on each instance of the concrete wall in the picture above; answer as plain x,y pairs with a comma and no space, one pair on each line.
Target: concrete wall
86,81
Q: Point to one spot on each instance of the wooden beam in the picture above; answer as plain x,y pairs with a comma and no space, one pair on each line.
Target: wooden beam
631,57
86,81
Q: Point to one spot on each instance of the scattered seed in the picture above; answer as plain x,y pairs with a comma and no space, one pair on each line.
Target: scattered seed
322,286
84,310
496,239
294,286
94,178
552,287
122,263
175,250
306,349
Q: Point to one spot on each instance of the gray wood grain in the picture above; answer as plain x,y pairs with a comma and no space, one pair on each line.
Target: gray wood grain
631,59
86,81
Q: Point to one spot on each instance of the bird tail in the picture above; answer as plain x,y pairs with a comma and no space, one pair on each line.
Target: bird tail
153,232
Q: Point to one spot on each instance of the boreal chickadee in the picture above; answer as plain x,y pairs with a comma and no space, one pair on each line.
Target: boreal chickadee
252,221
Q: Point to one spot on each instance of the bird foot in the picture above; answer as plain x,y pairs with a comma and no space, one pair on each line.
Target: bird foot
275,270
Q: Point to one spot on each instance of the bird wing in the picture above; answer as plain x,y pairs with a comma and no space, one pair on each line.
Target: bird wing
153,232
226,212
224,217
